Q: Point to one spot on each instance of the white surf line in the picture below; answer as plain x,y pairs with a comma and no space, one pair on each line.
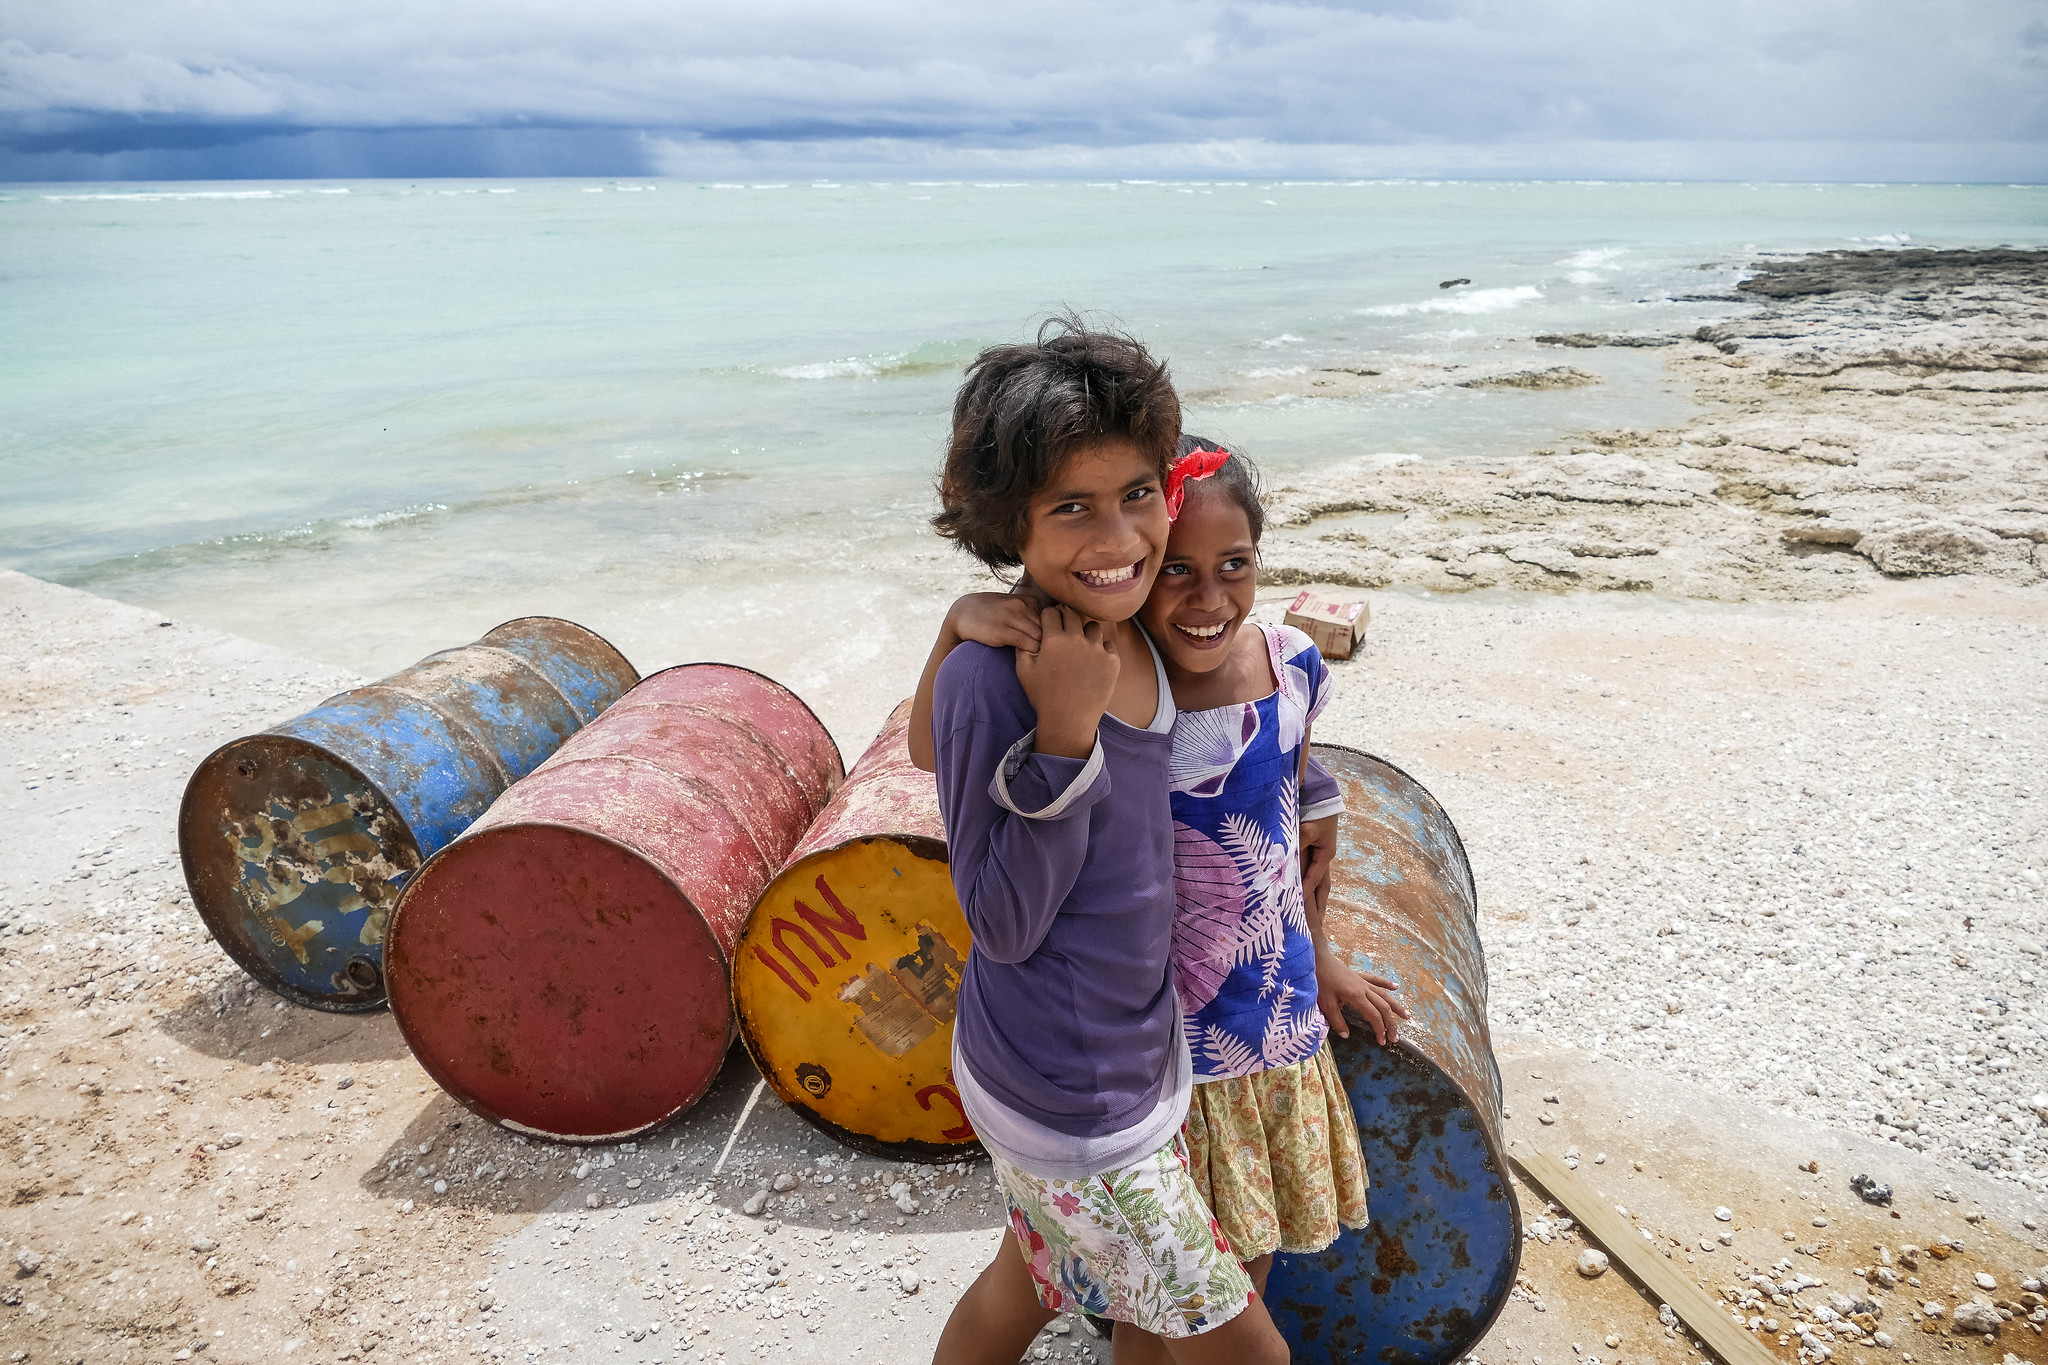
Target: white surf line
759,1086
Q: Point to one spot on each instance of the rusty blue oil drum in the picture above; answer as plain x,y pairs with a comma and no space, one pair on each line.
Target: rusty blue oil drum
563,969
297,841
1424,1281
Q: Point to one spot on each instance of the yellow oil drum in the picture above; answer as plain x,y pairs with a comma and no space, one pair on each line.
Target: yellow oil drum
845,977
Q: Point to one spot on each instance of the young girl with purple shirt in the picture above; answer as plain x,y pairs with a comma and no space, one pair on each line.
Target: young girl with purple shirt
1068,1048
1272,1141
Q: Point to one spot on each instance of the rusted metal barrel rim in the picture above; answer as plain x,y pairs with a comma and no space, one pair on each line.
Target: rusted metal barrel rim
296,842
838,758
1423,1282
1497,1164
563,969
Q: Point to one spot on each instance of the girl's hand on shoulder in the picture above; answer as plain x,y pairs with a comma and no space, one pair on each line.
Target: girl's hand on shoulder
999,620
1069,680
1371,995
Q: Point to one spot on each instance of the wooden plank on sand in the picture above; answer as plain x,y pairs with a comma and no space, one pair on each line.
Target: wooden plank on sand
1706,1317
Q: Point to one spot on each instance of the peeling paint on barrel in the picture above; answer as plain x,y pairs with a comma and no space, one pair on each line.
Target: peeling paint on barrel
1424,1281
846,974
297,840
562,969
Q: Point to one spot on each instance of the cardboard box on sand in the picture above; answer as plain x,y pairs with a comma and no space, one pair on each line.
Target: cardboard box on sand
1336,626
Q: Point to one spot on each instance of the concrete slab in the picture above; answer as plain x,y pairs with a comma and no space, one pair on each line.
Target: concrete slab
1674,1153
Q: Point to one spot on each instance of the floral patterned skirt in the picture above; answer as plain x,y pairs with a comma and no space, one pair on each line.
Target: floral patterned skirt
1135,1244
1276,1155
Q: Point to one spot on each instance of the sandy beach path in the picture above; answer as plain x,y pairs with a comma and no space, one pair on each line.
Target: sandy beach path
194,1166
1779,862
1789,852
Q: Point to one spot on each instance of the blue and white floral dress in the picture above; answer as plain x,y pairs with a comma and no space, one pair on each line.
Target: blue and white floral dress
1272,1142
1243,958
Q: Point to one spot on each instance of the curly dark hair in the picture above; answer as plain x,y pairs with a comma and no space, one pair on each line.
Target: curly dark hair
1238,478
1023,408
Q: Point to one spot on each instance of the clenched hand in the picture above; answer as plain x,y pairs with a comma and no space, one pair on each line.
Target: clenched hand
1069,679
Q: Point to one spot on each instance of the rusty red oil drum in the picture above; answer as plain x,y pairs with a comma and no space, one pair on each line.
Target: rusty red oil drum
296,841
1424,1281
561,969
845,977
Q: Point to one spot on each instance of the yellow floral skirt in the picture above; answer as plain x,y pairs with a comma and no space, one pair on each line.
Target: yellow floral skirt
1276,1155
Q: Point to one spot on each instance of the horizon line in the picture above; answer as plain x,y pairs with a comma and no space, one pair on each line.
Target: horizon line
1282,181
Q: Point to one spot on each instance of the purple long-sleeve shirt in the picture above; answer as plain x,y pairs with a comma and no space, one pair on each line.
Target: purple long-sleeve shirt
1066,1012
1319,793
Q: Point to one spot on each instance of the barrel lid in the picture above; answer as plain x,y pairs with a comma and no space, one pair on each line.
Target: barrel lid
844,983
556,982
294,860
1425,1279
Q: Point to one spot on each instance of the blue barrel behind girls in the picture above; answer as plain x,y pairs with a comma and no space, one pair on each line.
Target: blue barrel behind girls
297,841
1424,1281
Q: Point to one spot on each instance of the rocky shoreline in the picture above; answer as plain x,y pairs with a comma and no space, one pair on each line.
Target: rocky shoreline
1881,414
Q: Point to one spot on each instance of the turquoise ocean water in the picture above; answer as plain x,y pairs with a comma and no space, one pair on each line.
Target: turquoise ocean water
365,420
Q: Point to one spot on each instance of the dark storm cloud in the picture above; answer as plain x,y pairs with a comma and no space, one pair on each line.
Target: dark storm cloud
136,87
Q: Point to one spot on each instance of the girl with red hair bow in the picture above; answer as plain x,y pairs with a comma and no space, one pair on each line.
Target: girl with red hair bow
1270,1135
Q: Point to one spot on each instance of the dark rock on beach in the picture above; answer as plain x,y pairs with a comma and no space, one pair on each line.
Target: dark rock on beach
1879,272
1557,377
1589,340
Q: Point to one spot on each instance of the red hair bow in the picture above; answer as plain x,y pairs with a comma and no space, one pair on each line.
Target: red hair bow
1196,464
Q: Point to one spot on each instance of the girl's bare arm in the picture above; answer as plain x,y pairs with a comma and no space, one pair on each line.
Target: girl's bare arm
999,620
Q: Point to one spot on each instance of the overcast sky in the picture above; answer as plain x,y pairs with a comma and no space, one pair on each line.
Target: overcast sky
1830,89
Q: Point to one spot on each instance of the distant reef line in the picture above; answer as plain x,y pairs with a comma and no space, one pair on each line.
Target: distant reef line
1878,414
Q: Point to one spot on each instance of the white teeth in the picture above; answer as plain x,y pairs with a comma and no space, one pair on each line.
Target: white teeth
1202,632
1109,578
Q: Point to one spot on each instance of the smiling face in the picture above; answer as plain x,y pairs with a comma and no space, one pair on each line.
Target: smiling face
1206,583
1097,530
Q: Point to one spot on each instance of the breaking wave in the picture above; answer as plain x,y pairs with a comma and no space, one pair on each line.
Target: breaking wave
1478,301
1595,258
934,357
391,518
